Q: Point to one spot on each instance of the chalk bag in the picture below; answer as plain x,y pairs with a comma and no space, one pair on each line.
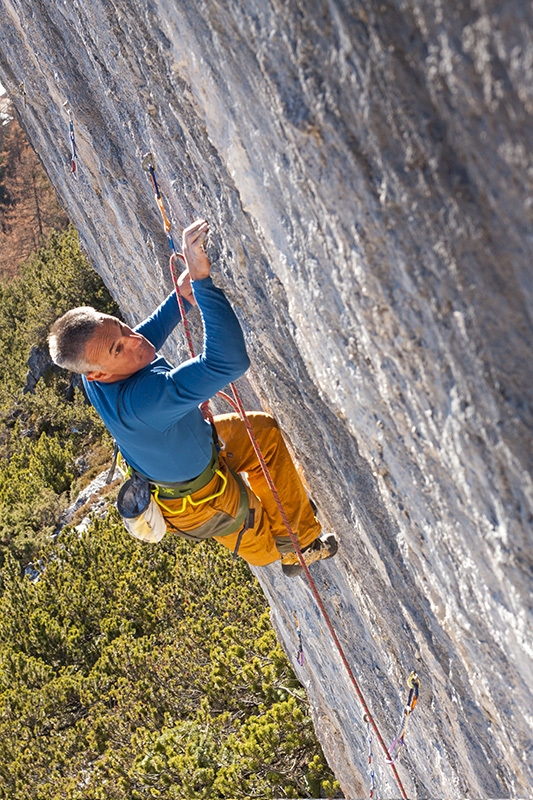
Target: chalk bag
139,511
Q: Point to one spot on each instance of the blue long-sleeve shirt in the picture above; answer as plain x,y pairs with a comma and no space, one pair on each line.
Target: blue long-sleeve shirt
153,415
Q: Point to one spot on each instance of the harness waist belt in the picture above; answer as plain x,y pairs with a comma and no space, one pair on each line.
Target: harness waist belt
185,488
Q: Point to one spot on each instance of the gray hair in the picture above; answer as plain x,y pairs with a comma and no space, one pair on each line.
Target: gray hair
70,335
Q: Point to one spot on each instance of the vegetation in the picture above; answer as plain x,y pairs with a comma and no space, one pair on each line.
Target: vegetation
126,671
28,206
130,672
45,435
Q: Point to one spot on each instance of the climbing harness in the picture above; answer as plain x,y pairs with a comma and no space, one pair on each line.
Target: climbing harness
188,497
300,654
141,506
413,682
174,491
74,152
148,164
370,756
220,524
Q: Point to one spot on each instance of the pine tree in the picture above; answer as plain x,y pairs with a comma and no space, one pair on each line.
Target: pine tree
131,671
29,209
45,432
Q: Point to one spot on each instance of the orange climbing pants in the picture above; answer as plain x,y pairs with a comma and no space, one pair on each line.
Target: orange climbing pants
268,539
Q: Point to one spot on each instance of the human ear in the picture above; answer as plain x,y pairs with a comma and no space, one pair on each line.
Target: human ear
95,375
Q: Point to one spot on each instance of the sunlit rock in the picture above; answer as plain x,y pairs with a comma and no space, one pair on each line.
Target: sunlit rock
366,170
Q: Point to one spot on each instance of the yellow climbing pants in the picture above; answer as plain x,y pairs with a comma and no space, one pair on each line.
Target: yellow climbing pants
268,539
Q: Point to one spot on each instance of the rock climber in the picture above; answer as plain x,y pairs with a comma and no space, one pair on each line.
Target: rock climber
205,477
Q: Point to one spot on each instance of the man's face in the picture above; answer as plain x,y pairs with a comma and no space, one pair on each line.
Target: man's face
118,351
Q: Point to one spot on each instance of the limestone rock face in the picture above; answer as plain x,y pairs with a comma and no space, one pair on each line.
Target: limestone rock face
366,169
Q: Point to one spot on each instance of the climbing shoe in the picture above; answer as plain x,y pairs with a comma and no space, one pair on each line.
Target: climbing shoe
324,547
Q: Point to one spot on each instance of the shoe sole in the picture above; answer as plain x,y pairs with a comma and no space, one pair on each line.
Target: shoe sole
292,570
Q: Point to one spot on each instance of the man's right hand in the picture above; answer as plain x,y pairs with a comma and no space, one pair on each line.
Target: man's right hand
196,259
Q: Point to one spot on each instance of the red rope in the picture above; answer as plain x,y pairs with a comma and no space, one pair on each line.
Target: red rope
313,586
186,327
149,165
238,406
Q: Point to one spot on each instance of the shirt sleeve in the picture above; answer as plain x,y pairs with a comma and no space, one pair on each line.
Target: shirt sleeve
168,395
159,325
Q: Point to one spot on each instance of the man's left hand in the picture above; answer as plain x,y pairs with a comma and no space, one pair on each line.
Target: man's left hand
184,284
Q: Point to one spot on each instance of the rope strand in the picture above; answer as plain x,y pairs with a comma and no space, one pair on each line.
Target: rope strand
314,589
237,405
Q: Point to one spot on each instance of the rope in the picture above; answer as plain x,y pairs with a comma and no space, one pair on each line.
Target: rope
237,404
413,682
148,165
313,586
181,304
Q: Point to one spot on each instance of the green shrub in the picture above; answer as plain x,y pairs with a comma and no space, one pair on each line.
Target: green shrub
131,671
43,433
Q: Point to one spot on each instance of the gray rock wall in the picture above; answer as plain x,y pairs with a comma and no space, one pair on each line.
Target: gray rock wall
366,169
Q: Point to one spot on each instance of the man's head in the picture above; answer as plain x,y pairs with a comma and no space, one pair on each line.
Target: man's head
99,346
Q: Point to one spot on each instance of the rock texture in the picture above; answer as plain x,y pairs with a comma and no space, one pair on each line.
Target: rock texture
366,169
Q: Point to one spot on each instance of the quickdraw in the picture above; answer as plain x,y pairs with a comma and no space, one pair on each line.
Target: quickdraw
413,682
148,165
372,786
74,152
300,654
